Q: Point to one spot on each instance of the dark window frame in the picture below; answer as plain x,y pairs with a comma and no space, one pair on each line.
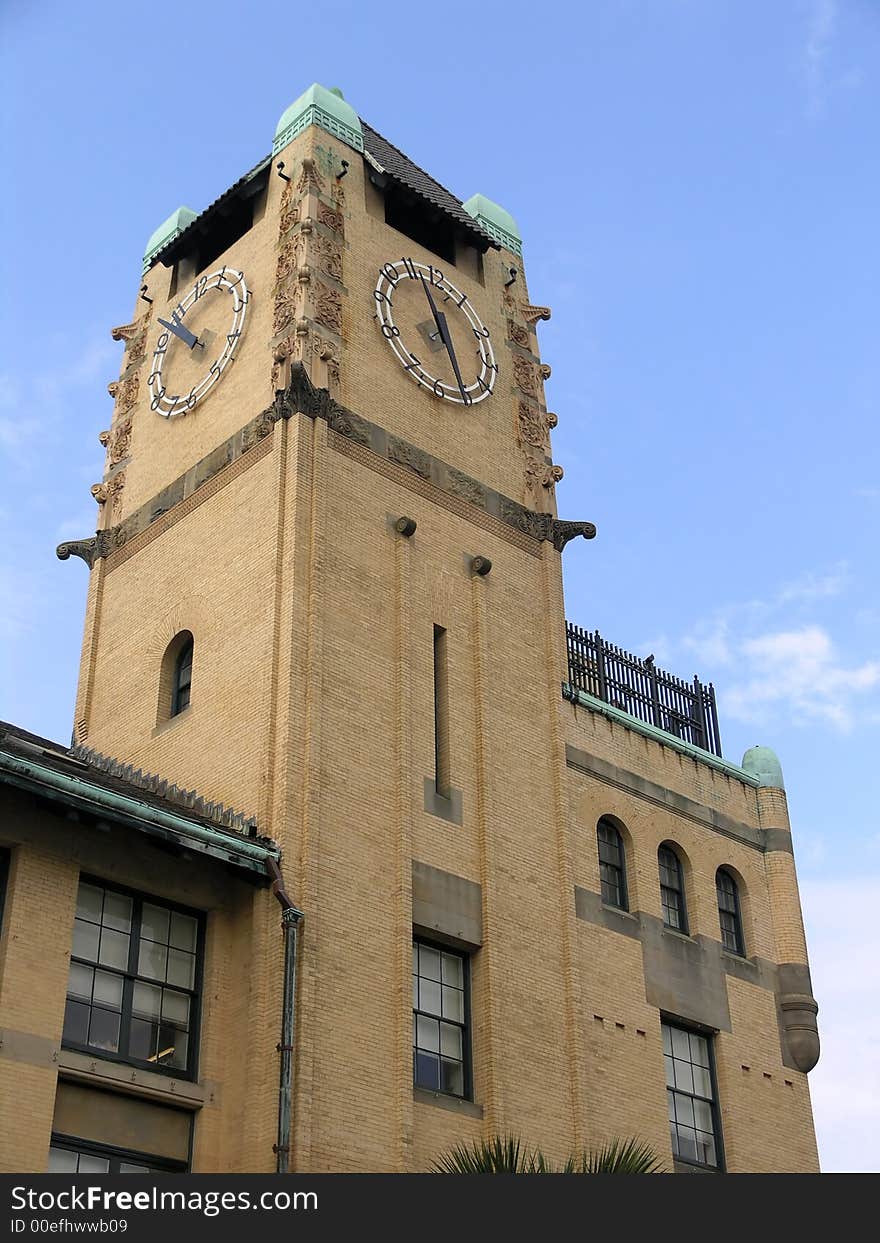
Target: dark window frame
679,889
708,1034
465,1025
130,976
5,867
116,1156
181,677
732,930
618,882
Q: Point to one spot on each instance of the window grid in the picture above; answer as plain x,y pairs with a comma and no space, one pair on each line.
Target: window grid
690,1092
134,982
73,1156
440,1020
729,915
180,692
672,889
612,870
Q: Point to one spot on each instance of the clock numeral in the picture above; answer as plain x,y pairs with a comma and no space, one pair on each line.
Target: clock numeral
412,366
154,404
215,369
462,301
162,343
410,267
487,364
390,330
391,274
487,388
153,378
381,297
191,400
178,314
199,288
480,333
438,389
231,338
435,276
466,398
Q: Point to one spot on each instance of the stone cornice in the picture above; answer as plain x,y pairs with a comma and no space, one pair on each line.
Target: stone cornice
301,397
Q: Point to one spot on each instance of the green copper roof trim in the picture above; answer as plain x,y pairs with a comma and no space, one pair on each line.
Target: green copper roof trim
318,106
763,764
31,775
660,735
167,231
497,222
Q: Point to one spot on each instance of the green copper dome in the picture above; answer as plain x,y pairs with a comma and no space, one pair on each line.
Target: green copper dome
166,231
763,763
497,222
318,106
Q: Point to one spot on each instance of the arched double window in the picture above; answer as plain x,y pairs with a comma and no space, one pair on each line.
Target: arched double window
672,889
612,864
729,913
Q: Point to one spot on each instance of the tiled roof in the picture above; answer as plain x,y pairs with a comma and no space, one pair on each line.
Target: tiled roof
124,779
383,155
402,169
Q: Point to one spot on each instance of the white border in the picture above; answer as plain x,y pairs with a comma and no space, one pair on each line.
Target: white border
484,384
234,283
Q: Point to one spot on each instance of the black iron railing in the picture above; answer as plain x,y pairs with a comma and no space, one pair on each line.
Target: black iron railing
685,709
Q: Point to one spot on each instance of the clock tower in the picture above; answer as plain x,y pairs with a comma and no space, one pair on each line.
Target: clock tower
325,593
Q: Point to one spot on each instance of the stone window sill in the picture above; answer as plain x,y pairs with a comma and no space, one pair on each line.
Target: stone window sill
172,721
81,1068
453,1103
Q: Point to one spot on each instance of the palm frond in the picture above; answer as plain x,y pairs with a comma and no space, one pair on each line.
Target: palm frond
505,1154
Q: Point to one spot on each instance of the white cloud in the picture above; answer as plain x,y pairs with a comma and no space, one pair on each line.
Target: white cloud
811,586
845,1086
800,672
820,33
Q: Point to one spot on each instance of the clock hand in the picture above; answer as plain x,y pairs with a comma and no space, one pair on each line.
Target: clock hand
178,329
443,329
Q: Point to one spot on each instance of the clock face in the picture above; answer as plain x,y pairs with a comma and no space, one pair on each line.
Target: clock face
435,332
198,342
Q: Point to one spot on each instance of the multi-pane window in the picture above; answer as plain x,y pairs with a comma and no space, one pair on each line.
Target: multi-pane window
612,870
729,914
690,1095
180,689
672,889
132,991
440,1038
72,1157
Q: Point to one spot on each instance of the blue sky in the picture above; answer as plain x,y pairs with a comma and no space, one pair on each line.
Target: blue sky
696,182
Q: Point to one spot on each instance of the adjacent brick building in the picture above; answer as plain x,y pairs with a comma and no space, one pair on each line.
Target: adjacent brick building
334,749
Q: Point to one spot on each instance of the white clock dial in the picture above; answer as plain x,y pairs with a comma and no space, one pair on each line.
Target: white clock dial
449,353
189,358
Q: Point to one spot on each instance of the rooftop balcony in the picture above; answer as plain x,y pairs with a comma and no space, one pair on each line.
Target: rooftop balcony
607,673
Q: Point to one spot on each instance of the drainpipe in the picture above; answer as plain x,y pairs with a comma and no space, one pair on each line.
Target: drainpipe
290,918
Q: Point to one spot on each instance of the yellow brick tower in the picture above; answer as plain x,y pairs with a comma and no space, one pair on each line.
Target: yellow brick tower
326,595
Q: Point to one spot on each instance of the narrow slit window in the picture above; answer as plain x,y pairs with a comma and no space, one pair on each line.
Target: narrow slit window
180,691
441,712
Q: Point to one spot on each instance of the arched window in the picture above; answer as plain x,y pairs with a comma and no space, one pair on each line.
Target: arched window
182,677
729,914
672,889
175,677
612,865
